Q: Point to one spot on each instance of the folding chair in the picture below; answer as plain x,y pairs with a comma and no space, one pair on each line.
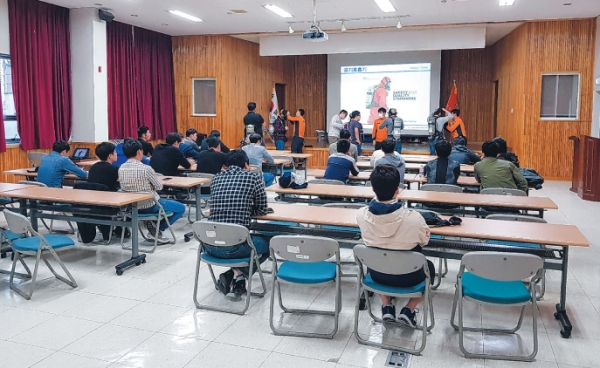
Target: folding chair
393,263
225,235
443,262
305,263
503,191
446,188
496,278
521,218
35,158
204,198
156,218
50,228
38,246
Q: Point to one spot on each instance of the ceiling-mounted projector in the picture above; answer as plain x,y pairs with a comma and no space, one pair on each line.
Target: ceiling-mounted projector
315,34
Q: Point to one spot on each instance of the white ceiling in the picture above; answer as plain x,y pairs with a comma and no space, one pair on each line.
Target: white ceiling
152,14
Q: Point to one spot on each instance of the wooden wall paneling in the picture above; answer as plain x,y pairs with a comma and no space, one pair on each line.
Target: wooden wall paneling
310,84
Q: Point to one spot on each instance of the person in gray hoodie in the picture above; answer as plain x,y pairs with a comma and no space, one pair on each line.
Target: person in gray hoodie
391,158
461,154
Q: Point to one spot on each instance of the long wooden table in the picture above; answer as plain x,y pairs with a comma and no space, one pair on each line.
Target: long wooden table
30,197
414,167
418,159
563,236
408,178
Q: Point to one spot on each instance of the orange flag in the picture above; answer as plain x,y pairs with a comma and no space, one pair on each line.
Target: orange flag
453,100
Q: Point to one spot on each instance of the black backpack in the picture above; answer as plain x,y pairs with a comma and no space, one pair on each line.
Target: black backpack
534,180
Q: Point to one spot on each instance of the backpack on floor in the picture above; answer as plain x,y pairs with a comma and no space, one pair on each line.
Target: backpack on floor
534,180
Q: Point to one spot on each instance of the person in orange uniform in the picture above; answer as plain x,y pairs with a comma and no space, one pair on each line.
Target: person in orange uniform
299,129
456,126
379,135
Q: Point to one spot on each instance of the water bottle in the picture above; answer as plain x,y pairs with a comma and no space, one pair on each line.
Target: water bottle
422,170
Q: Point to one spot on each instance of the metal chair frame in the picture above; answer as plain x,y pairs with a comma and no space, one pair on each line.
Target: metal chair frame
50,228
204,199
156,219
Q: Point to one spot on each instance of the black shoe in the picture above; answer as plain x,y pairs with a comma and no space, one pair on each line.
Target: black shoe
408,317
224,283
239,287
388,313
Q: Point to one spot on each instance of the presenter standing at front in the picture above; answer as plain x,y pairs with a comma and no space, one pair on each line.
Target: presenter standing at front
253,122
356,130
335,125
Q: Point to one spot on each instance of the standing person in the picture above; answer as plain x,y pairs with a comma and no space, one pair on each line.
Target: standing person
379,135
336,124
356,130
191,135
442,170
494,173
144,136
386,224
456,126
436,130
463,155
57,164
379,98
299,129
167,156
394,126
340,165
280,130
104,172
253,122
215,133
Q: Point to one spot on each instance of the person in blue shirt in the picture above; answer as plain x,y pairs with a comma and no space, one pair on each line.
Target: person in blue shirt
57,164
121,158
256,154
442,170
461,154
341,164
188,151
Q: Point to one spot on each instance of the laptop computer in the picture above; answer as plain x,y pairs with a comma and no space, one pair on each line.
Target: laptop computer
81,154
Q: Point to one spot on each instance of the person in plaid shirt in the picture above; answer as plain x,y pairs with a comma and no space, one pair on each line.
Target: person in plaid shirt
237,195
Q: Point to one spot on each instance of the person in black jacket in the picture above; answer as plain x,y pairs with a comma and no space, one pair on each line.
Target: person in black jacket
504,153
217,134
167,158
212,160
104,172
462,154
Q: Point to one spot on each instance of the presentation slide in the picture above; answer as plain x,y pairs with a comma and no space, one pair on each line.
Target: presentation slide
405,87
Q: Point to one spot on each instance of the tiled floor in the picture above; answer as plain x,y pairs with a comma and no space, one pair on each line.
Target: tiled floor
146,318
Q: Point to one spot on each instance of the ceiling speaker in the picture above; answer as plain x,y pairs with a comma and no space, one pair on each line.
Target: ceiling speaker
105,15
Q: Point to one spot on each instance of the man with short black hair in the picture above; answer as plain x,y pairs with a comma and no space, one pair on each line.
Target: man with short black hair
456,126
494,173
54,166
504,153
462,154
394,126
391,157
190,139
104,172
340,165
442,170
212,160
344,134
237,196
257,154
379,135
167,157
144,136
217,134
336,124
299,129
386,224
253,119
136,177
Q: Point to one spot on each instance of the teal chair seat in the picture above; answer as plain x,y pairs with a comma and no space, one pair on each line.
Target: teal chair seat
433,236
307,273
32,244
515,244
224,261
148,215
340,228
10,235
492,291
384,289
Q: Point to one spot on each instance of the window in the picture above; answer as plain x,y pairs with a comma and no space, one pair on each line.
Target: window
7,100
560,96
204,97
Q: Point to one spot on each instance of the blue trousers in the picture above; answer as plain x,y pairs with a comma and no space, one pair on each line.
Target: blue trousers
279,145
241,251
399,146
432,143
269,179
358,148
168,205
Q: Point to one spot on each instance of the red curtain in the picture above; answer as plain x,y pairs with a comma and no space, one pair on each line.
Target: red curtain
2,135
122,109
41,71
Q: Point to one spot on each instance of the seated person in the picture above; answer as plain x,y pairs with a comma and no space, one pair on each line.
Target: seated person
344,134
385,224
211,161
492,172
256,154
135,177
104,172
191,135
57,164
391,157
442,170
188,151
340,165
461,154
237,195
217,134
121,156
504,153
167,157
144,136
379,154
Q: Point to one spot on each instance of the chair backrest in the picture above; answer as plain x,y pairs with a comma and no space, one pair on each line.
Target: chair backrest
448,188
30,182
220,234
368,184
202,176
17,223
35,157
504,191
345,205
326,181
304,249
391,262
256,168
502,266
520,218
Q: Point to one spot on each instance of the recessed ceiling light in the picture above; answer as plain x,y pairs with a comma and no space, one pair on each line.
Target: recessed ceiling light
386,6
134,15
185,15
506,2
97,4
567,4
277,10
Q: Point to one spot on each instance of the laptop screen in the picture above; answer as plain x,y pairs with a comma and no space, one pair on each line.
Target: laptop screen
81,153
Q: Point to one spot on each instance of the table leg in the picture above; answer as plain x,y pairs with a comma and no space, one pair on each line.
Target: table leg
32,212
136,258
198,203
23,207
561,308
